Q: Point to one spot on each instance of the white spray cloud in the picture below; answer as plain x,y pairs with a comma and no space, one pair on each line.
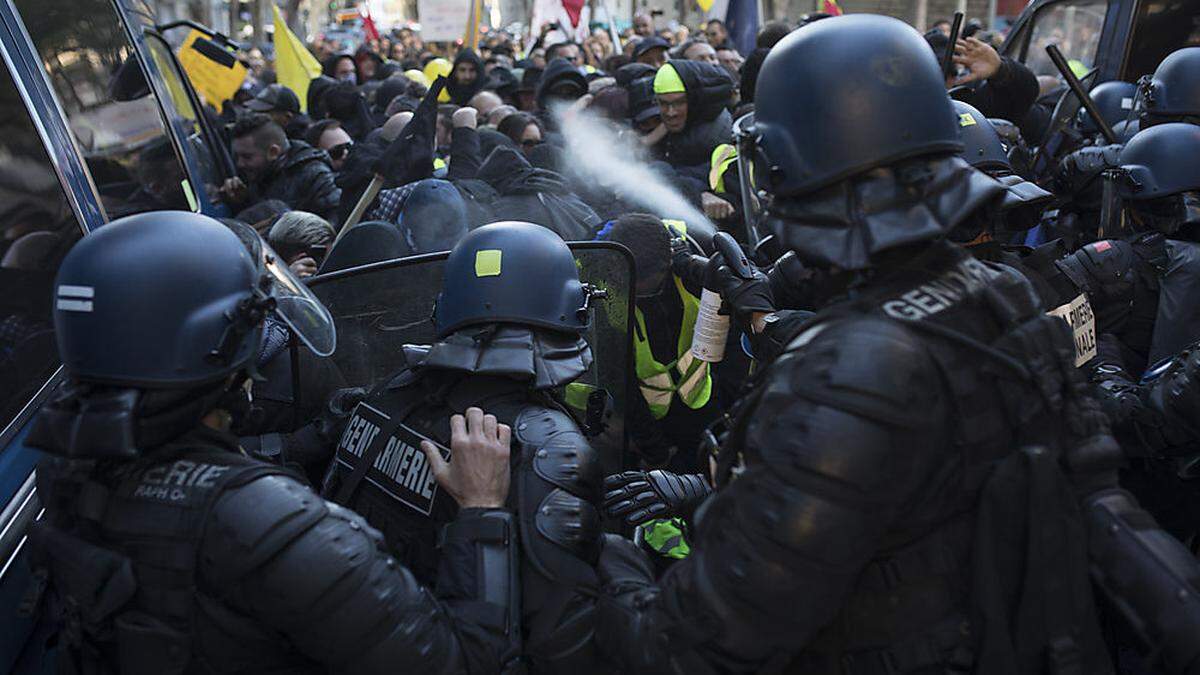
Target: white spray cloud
617,162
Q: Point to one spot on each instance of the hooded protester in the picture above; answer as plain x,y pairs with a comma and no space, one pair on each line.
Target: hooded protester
561,83
316,95
368,63
346,104
467,77
341,67
536,196
692,97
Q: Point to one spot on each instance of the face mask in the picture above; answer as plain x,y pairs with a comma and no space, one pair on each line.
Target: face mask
352,78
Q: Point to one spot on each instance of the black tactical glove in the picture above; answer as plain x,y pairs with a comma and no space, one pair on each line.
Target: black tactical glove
639,496
1078,174
685,264
743,296
314,442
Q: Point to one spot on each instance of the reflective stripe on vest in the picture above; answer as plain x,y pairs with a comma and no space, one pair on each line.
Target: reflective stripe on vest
722,156
692,381
666,537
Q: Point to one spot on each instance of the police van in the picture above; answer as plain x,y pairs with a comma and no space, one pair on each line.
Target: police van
1120,39
97,121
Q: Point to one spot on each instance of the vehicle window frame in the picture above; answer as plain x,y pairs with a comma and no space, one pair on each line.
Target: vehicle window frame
11,427
206,131
1029,26
118,15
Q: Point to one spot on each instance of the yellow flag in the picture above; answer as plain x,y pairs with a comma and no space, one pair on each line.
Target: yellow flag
213,81
295,66
705,4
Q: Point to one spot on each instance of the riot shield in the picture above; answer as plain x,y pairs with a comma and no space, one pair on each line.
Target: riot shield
379,307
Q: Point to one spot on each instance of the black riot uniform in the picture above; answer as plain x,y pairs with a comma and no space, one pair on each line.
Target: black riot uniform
510,320
867,518
1171,94
165,548
1142,282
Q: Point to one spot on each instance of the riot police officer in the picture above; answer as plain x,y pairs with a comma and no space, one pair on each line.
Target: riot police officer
167,549
1171,94
510,321
1141,281
854,483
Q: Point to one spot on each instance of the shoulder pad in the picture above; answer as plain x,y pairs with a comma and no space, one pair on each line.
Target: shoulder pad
562,455
869,365
1101,265
250,523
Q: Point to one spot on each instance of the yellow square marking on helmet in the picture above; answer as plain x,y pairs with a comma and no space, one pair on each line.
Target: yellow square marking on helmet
487,262
965,120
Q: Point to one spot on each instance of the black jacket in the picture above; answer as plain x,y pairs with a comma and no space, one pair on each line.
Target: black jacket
536,196
303,179
244,569
1008,94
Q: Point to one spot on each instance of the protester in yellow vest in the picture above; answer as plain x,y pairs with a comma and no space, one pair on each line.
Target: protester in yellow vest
676,402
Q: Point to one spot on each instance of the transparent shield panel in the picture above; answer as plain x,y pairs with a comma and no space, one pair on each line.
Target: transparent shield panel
298,307
379,308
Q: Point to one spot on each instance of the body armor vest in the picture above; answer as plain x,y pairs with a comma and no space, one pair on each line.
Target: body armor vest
380,471
992,344
120,550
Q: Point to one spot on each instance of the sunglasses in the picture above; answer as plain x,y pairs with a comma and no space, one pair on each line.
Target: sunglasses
530,143
339,152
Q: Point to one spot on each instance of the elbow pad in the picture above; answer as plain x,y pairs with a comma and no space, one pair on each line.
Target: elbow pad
479,574
1152,580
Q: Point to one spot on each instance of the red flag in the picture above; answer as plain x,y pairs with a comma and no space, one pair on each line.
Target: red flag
831,8
369,23
573,7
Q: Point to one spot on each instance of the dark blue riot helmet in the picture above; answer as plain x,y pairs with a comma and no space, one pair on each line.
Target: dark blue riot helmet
173,300
983,148
1114,100
158,318
873,94
512,272
1158,181
1172,93
854,143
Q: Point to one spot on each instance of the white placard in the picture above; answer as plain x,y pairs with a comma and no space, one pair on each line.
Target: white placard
443,20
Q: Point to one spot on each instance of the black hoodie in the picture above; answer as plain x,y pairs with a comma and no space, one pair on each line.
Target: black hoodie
709,124
461,94
558,71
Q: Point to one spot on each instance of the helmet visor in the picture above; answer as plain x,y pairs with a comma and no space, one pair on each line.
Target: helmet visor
296,306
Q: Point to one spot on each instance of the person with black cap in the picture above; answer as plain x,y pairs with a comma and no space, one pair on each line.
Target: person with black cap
874,478
644,113
561,84
526,92
283,106
651,51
